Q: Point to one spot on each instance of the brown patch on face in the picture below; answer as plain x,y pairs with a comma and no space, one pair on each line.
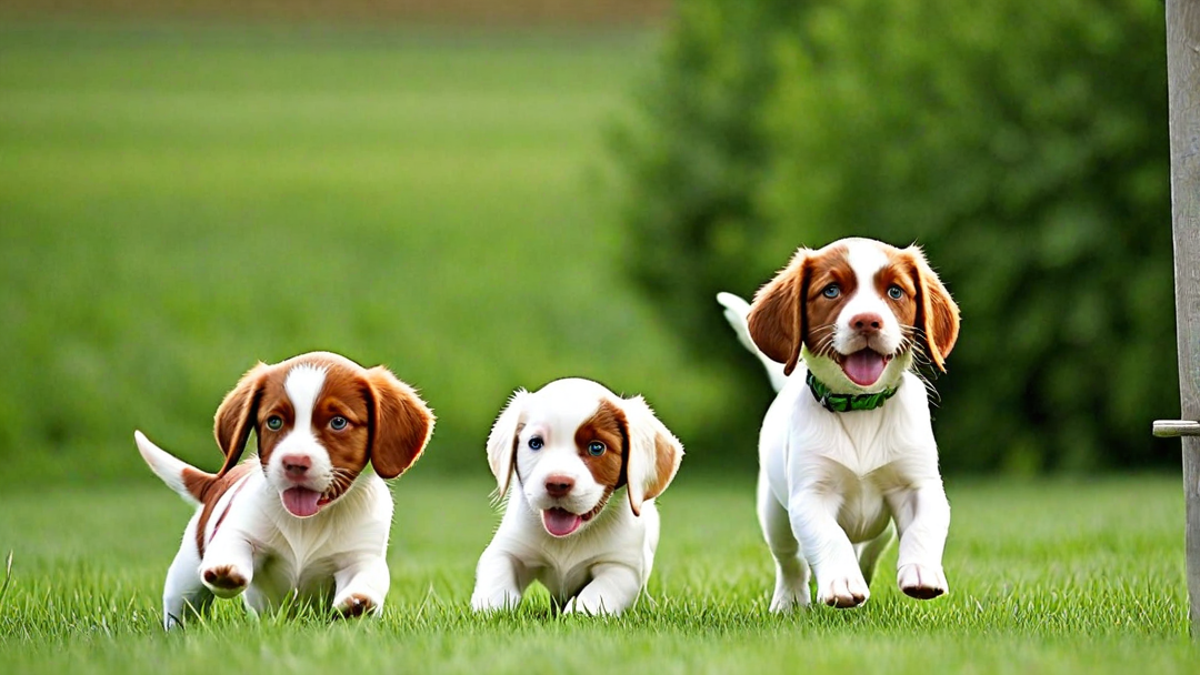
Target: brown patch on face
790,311
609,427
902,273
209,489
829,268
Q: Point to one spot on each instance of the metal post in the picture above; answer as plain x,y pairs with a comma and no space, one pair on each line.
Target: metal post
1183,86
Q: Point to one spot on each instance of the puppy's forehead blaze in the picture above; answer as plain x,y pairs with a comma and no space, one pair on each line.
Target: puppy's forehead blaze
609,426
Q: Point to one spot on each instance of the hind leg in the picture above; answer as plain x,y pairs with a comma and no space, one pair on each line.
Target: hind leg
869,552
184,593
791,570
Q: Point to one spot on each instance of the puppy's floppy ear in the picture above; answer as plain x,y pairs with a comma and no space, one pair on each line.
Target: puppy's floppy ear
938,314
777,318
236,415
502,441
654,453
401,423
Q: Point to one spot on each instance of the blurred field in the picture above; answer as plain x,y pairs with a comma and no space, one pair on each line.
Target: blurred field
1052,576
177,203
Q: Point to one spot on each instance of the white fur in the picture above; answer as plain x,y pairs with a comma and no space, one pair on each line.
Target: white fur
831,485
335,554
303,385
600,568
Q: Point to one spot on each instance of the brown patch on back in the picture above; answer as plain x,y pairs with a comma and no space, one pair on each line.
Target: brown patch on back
610,427
209,489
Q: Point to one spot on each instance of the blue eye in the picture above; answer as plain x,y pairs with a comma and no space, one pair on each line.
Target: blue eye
895,292
536,443
596,448
831,291
274,422
338,423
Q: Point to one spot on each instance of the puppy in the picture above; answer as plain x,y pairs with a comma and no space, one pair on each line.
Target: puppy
305,518
572,447
847,447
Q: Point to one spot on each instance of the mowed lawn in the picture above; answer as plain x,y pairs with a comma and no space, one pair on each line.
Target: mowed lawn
1051,577
175,204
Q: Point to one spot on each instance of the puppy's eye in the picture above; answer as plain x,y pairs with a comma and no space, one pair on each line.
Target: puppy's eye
274,422
536,443
831,291
596,448
338,423
895,292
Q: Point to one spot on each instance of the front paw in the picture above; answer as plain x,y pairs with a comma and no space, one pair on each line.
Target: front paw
225,581
591,607
843,591
356,605
922,582
495,602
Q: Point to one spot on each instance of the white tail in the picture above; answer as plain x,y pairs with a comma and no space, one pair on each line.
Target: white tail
736,310
166,466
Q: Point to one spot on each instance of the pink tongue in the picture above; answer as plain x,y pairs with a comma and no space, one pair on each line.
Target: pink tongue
301,502
560,523
864,367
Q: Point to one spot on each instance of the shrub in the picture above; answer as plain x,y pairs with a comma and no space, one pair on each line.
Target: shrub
1022,144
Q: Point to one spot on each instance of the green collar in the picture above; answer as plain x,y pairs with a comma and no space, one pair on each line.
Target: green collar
844,402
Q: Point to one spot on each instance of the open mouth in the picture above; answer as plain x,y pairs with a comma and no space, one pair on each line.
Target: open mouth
302,502
864,367
561,522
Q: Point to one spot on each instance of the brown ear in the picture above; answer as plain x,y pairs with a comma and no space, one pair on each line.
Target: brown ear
654,453
236,415
938,317
401,423
777,318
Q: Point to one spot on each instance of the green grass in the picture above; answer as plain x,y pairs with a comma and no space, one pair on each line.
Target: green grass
178,203
1056,576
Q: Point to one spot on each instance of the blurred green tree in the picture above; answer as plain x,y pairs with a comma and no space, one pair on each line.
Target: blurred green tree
1022,144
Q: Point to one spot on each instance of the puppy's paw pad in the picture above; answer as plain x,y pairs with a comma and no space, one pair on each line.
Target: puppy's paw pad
224,578
844,592
355,605
922,582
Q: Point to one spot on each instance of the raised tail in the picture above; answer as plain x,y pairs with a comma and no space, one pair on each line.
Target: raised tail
736,310
186,480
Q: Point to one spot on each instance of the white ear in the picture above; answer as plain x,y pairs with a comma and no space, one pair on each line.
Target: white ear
501,443
654,453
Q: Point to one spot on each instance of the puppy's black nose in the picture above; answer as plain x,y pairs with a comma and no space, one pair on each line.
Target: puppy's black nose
559,486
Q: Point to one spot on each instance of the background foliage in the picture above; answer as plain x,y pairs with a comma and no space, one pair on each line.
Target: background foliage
1022,144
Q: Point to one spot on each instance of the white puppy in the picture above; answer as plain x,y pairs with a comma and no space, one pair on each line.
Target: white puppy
847,447
571,446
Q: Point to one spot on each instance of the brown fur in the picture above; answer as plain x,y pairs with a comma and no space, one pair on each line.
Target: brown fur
666,463
609,426
208,490
388,424
790,310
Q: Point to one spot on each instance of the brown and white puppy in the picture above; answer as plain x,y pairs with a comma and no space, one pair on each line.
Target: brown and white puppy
847,448
306,517
562,457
